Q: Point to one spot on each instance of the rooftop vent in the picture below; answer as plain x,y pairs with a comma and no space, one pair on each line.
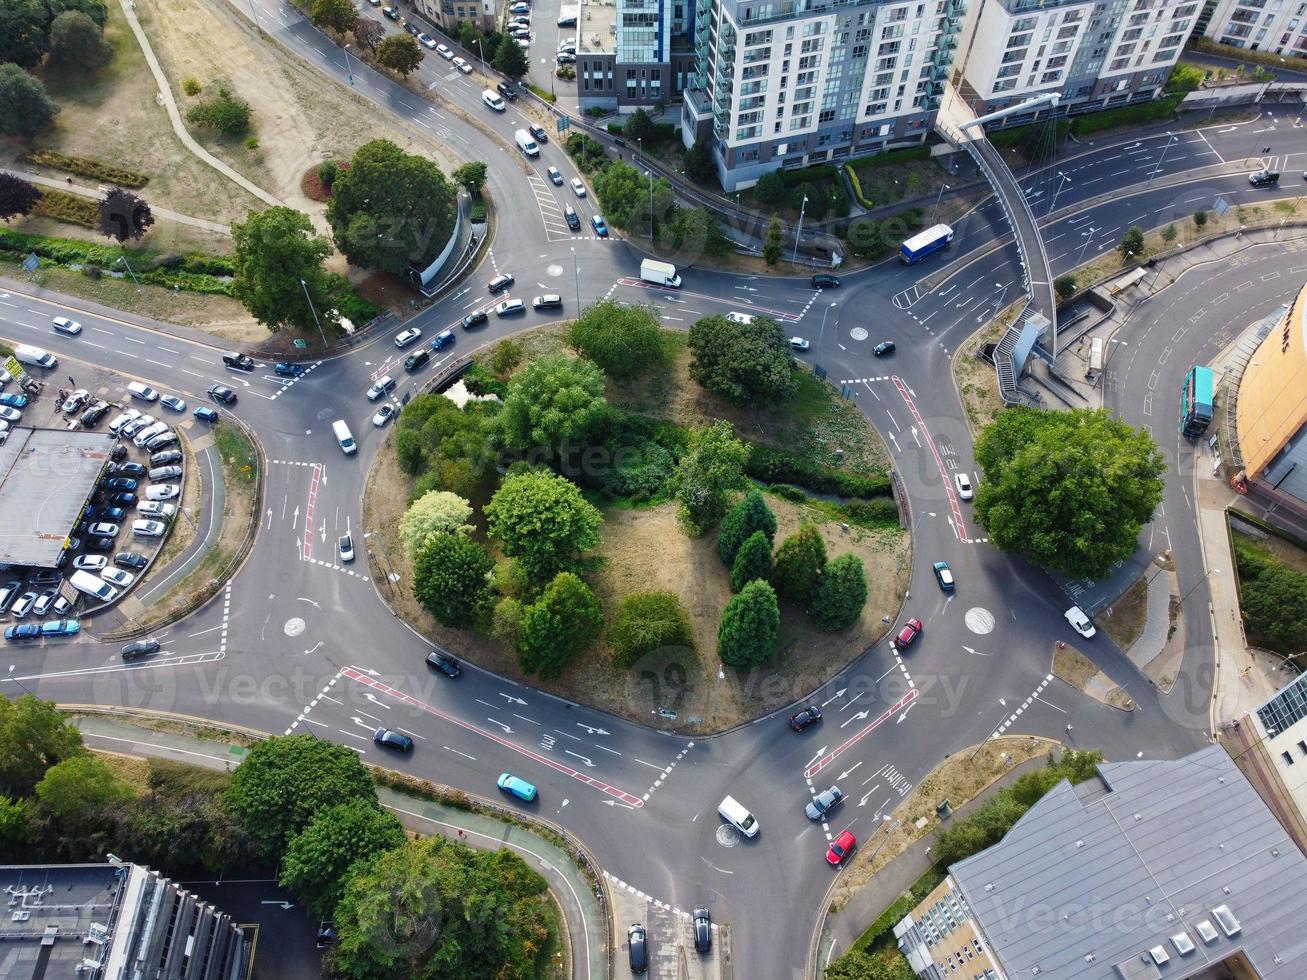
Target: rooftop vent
1182,943
1206,932
1226,920
1158,953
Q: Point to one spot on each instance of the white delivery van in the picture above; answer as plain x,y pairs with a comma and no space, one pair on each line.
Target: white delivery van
738,817
93,585
343,436
492,99
526,144
35,356
662,273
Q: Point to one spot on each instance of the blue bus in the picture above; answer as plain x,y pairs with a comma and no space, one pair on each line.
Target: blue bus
1196,401
928,242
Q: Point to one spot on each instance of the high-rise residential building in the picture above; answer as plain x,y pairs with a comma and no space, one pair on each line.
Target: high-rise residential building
1258,25
797,83
634,53
1096,55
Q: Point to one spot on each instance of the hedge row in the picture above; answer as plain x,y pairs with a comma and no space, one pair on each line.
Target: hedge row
901,906
769,465
71,208
1269,58
1143,112
856,185
889,158
810,175
67,251
1019,134
85,167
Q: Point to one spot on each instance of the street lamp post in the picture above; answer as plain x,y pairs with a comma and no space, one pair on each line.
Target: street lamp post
481,52
123,260
649,174
1057,190
1088,236
816,355
576,277
349,69
934,215
1210,571
12,668
798,232
1162,159
314,310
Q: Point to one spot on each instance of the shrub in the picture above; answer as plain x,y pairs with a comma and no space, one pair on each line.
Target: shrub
749,516
506,356
889,158
752,561
616,129
85,167
1131,115
787,491
564,623
877,512
750,627
646,621
191,85
408,452
770,465
840,595
800,561
70,208
1065,286
225,113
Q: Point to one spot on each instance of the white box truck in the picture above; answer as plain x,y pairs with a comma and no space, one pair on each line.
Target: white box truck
526,144
344,437
662,273
35,356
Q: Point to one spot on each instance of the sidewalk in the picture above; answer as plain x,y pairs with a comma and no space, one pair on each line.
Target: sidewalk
585,919
94,192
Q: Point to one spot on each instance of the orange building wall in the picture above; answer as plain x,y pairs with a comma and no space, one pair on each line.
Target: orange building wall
1273,392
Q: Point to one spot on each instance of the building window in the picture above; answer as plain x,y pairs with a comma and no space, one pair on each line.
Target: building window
1288,759
1302,747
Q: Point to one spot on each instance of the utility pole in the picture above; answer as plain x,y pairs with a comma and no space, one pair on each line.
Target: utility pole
314,310
934,215
1057,190
798,232
1162,159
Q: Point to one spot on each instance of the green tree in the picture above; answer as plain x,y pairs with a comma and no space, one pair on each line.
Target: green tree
554,405
773,247
747,362
770,189
562,624
1070,490
285,781
471,38
510,59
25,109
391,209
1065,286
749,515
800,562
437,512
472,176
94,9
506,356
819,199
74,790
277,258
77,43
1273,599
695,232
870,964
622,340
752,561
400,53
1185,77
408,451
336,14
316,865
647,621
23,32
224,112
699,165
17,830
434,908
639,127
451,578
623,192
750,627
1132,243
1200,218
33,737
1169,234
17,196
543,521
707,474
840,595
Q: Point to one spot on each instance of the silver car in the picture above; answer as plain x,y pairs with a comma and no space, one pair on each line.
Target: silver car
824,802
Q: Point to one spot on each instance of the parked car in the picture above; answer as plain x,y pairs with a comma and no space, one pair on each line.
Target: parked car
384,415
442,339
392,740
128,469
10,414
824,280
462,66
155,508
123,499
118,421
130,559
411,28
171,472
510,306
637,942
162,491
555,176
20,401
346,547
702,930
100,544
446,665
805,717
406,337
427,41
173,403
516,786
139,648
222,393
61,627
23,631
501,281
64,325
43,602
445,52
840,848
149,529
90,563
120,483
24,605
205,414
475,318
390,13
943,575
1080,622
911,630
93,414
166,457
103,529
71,404
883,348
824,802
116,576
8,592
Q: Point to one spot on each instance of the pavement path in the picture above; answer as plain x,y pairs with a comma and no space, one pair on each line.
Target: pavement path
96,192
587,924
174,116
1157,621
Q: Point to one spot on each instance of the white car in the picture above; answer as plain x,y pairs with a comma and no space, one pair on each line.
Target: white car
406,337
149,529
963,482
445,52
90,563
116,576
153,508
120,420
162,491
65,325
75,401
427,41
510,306
741,318
384,415
578,188
1080,622
10,414
103,529
518,33
346,546
798,343
462,66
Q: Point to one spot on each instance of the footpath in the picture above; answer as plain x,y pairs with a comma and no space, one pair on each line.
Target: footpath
585,917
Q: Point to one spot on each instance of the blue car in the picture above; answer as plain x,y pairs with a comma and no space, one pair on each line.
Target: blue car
13,401
123,499
114,515
600,228
120,483
61,627
284,370
31,631
206,414
442,339
518,787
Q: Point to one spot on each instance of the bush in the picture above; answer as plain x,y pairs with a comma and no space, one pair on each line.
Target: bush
770,190
1185,77
622,340
877,512
225,113
787,491
327,171
749,516
616,129
752,561
70,208
840,595
800,561
85,167
646,621
750,627
1065,286
563,624
191,85
770,465
586,150
889,158
1131,115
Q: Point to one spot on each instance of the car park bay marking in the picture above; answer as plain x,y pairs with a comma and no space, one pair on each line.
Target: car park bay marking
871,726
357,675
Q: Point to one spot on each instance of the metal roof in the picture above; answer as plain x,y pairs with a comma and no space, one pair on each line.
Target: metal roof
46,476
1094,884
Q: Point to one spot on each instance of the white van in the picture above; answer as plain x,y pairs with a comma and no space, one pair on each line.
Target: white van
142,391
738,817
526,144
343,436
35,356
93,585
493,100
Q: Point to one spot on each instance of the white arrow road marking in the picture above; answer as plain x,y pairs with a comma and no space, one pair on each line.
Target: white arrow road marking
856,717
852,700
905,713
295,522
615,803
850,771
507,730
863,801
838,694
373,698
577,755
510,698
272,901
974,651
820,752
593,731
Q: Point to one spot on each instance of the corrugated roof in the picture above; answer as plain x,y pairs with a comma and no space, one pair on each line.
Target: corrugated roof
1085,885
45,477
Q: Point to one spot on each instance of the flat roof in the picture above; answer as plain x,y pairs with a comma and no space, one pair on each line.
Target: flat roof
46,475
62,913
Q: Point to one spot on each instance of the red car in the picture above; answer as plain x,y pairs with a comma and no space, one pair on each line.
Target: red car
840,848
908,633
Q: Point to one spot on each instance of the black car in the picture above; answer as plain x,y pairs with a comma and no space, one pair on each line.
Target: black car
1264,178
166,457
140,648
96,412
415,362
392,740
500,282
390,13
283,370
411,28
124,499
241,362
446,665
101,544
222,393
573,221
702,930
805,717
128,469
130,559
824,280
539,132
639,944
507,91
119,451
883,348
120,483
475,318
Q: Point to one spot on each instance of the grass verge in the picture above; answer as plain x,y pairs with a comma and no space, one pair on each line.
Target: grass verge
1128,614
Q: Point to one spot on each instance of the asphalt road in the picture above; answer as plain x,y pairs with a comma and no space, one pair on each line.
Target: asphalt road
299,641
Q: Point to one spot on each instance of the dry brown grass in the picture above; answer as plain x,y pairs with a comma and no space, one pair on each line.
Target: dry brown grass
957,779
1128,614
128,770
1073,667
1283,551
976,379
